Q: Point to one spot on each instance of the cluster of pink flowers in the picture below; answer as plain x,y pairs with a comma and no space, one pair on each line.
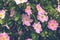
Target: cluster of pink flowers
4,36
41,14
28,10
26,20
40,10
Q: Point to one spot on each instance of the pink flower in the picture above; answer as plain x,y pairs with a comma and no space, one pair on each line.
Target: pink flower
20,1
37,27
12,13
42,18
58,8
53,25
29,39
28,10
2,14
40,10
26,20
4,36
20,32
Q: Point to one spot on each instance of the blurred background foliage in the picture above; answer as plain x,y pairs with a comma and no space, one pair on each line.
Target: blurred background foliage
15,23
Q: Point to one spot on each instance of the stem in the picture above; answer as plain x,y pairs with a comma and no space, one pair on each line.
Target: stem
34,18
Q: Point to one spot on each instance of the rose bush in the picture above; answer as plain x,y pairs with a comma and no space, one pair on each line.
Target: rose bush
29,20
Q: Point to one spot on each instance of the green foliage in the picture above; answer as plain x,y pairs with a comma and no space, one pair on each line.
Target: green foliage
15,23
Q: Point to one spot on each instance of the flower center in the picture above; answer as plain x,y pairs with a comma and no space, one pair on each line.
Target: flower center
26,19
42,16
37,27
52,25
0,14
20,0
3,38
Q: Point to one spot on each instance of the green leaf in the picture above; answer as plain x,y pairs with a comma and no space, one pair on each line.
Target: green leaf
34,36
16,16
1,21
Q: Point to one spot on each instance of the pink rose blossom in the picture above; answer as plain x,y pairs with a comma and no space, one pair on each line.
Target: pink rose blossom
28,10
20,32
58,8
4,36
42,18
26,20
37,27
40,10
12,13
2,14
53,25
29,39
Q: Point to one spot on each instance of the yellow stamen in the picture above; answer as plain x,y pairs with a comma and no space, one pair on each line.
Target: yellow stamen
52,25
37,27
20,0
42,16
0,14
3,38
26,19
